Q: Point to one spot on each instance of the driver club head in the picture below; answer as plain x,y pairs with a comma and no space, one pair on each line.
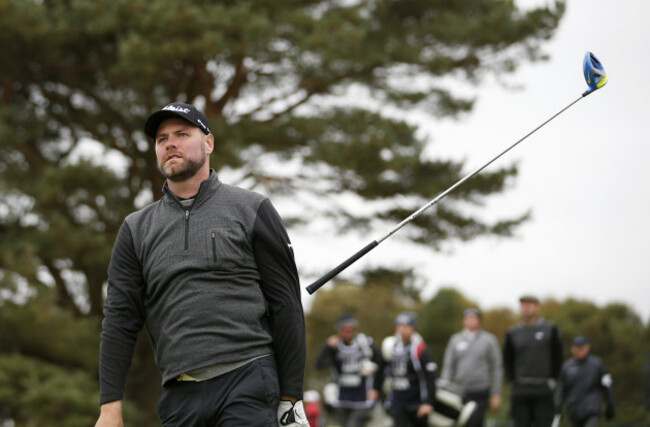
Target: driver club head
594,73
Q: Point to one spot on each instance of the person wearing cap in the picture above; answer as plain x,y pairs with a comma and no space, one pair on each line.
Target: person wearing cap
353,360
532,359
472,362
209,271
410,371
583,382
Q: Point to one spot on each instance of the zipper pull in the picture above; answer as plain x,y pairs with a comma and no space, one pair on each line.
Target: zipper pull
187,215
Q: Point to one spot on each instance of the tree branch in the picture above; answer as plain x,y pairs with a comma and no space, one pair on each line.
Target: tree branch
64,300
238,81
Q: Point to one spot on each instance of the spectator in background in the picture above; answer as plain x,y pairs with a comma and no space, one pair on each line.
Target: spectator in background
583,380
353,359
473,362
532,357
411,372
312,408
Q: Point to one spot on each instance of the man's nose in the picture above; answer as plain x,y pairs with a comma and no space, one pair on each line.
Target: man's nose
171,142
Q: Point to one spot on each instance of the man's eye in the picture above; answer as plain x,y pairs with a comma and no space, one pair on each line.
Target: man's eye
162,139
183,134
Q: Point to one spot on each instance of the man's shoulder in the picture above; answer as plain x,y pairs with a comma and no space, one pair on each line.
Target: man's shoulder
364,339
545,324
514,328
136,216
594,360
240,191
569,362
456,336
540,324
234,194
487,336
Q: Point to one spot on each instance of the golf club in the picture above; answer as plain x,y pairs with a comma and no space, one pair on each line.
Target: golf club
594,76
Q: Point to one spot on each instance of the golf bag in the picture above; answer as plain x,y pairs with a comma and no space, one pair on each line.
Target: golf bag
449,407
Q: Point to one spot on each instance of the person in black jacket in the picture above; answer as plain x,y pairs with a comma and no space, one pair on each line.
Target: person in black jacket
209,271
411,374
353,359
583,380
532,358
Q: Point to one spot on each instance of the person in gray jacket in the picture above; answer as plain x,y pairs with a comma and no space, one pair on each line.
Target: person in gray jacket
584,383
472,362
209,271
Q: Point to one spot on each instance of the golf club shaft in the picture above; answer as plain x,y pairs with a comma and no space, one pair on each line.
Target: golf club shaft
345,264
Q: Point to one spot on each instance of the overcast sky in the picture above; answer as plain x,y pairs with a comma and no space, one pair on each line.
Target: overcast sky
584,176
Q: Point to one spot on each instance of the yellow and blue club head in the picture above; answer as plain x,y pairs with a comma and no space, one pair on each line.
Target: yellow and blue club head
595,75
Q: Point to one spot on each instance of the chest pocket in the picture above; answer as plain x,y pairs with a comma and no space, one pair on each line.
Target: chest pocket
227,248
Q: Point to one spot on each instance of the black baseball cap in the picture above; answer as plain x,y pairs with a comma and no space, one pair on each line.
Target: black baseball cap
346,319
472,312
186,112
407,318
579,341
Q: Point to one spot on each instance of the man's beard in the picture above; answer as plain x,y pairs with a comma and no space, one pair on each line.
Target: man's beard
190,169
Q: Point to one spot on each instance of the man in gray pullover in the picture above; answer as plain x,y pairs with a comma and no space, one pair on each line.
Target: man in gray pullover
473,362
209,271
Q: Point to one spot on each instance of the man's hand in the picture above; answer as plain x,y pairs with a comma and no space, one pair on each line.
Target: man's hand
495,402
424,410
372,395
110,415
292,414
333,341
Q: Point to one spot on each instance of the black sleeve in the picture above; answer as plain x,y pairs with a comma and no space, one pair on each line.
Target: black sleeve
556,353
509,358
326,357
281,288
605,388
123,317
429,371
380,374
376,355
561,392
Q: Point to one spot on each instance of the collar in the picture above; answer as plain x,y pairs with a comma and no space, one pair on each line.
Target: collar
209,185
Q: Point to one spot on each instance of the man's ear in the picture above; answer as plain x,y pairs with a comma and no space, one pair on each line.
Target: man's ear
209,144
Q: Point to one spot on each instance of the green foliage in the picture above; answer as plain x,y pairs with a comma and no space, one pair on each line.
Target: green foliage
44,331
36,393
498,320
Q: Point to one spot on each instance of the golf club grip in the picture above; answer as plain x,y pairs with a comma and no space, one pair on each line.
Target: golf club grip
342,266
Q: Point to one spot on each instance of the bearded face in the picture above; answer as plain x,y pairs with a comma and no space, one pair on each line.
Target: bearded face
180,150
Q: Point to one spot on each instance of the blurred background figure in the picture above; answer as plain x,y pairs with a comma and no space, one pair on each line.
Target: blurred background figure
472,362
532,359
353,360
313,408
411,374
583,380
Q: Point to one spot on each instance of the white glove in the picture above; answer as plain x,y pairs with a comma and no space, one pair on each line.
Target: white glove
292,414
